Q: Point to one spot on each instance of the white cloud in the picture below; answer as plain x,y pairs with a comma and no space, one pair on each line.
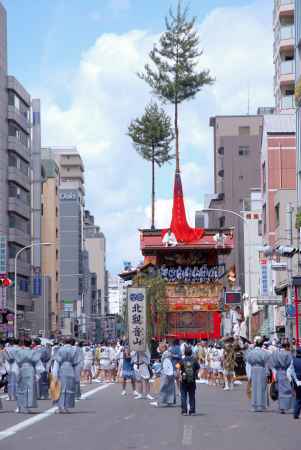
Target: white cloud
105,94
163,209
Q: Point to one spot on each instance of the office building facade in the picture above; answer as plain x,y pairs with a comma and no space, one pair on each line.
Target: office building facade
284,55
71,209
50,231
236,173
95,243
298,94
15,183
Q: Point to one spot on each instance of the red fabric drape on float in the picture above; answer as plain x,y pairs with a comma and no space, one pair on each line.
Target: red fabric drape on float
179,225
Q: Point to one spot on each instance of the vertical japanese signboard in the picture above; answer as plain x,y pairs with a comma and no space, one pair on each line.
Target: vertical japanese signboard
137,319
264,278
2,254
3,270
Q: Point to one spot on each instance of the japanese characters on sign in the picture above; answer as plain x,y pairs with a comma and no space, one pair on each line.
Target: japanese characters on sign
201,290
137,319
192,274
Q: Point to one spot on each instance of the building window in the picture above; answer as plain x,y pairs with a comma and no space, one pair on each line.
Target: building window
266,312
241,177
222,222
264,217
264,177
259,227
57,233
277,214
19,134
221,150
244,131
243,150
56,276
57,254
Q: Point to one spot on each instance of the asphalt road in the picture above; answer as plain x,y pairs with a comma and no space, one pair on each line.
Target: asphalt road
106,421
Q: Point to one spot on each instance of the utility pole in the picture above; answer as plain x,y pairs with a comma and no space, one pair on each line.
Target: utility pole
289,320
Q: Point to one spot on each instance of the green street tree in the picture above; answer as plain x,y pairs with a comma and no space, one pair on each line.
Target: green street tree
152,135
174,75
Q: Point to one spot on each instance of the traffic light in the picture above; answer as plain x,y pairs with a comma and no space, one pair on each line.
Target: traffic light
231,276
5,282
287,251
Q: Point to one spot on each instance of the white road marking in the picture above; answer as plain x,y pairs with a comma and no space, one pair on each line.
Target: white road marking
44,415
131,416
187,436
232,427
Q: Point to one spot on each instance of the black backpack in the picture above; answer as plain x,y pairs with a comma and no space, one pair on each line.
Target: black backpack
188,375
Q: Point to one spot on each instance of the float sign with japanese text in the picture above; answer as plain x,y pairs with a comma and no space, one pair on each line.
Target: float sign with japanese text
137,319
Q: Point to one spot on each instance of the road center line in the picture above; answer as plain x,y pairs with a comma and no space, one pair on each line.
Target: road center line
44,415
187,436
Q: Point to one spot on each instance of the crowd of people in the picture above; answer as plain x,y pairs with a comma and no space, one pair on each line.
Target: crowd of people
29,371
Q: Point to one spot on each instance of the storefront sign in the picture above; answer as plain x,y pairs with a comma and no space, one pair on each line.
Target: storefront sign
193,304
137,319
270,300
68,195
192,274
2,254
232,298
201,290
264,280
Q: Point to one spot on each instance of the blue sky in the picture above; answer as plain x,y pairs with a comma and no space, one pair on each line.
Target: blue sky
81,57
52,34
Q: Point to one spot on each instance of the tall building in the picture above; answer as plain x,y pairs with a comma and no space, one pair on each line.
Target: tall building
298,94
236,173
15,183
95,243
71,209
115,294
278,187
284,58
278,167
51,233
252,244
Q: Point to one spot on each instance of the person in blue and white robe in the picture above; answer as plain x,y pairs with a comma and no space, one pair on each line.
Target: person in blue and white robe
280,362
258,360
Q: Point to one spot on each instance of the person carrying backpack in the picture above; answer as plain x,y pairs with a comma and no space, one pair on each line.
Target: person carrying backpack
188,369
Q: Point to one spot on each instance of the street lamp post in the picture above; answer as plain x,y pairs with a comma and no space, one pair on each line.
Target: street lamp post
249,294
15,287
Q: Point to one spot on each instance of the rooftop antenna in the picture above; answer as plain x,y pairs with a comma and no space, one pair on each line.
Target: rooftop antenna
248,98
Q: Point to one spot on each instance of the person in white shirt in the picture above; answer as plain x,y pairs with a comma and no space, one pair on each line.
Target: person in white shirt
169,239
88,363
142,374
216,363
113,363
104,362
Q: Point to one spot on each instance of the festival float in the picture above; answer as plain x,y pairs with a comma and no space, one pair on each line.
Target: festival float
183,274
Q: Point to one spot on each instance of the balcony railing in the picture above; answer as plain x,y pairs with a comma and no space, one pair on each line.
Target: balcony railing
284,2
287,32
288,102
287,67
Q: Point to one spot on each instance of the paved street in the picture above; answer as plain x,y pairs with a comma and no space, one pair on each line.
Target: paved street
107,421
